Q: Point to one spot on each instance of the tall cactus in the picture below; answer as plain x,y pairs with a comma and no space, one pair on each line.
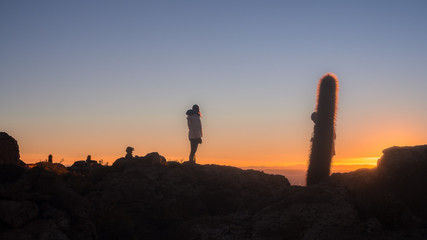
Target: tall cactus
322,147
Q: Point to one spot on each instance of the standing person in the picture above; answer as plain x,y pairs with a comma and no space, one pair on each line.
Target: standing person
195,133
314,119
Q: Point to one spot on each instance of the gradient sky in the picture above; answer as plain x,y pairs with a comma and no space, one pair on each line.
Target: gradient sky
93,77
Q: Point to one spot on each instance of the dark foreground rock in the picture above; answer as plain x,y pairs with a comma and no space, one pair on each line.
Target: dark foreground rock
153,200
149,198
395,192
40,206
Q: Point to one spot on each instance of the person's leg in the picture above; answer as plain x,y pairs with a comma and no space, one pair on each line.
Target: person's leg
194,145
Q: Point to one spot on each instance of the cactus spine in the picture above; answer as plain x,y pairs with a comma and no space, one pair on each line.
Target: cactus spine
322,146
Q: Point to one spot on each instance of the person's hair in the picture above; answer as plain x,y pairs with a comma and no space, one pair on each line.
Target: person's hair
196,108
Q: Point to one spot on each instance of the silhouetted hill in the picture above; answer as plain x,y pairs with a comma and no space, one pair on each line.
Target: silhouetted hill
149,198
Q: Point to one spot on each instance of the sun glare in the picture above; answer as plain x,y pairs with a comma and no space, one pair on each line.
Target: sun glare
357,161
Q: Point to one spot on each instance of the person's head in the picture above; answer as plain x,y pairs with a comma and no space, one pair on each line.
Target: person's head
196,108
314,117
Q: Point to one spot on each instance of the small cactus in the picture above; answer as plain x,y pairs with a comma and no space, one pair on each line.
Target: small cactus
322,147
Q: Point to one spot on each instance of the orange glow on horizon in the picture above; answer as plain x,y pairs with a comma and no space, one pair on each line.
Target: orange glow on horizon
346,163
356,161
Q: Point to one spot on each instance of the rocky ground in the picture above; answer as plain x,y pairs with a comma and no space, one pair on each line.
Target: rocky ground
149,198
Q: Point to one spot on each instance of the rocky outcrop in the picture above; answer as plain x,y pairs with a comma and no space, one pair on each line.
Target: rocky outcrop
154,199
9,150
85,166
397,160
387,202
11,167
395,192
39,205
145,198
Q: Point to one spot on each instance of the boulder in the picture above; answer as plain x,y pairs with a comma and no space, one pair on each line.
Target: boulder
401,174
45,230
16,234
16,214
151,159
85,167
398,159
9,150
155,158
393,193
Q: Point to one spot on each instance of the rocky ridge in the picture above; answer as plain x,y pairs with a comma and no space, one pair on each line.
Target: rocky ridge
149,198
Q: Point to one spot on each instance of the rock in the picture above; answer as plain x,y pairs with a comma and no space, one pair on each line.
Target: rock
401,174
56,168
124,162
53,234
85,167
78,164
151,159
317,212
394,193
229,227
401,158
155,158
61,218
16,234
144,198
10,173
9,150
373,226
16,214
151,199
129,152
45,230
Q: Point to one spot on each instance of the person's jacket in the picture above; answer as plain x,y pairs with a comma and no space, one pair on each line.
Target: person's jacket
194,125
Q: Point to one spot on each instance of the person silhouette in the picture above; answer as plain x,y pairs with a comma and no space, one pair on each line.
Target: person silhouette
314,119
195,132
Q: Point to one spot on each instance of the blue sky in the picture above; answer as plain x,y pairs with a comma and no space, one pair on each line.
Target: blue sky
87,77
